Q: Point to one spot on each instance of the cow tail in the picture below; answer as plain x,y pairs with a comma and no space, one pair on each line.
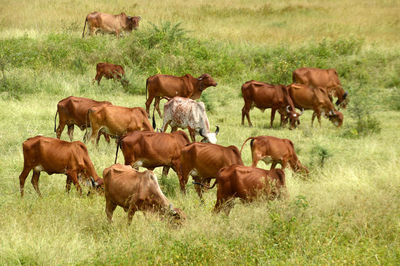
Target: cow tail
87,123
84,26
250,138
154,120
147,82
207,187
55,121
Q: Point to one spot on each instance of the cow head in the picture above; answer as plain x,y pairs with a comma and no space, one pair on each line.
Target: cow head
342,100
98,185
132,22
206,81
293,116
335,117
208,136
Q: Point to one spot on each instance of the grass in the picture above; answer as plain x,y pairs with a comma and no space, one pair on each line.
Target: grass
347,210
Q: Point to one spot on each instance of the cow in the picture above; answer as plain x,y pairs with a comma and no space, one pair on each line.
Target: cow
247,183
184,113
135,191
116,121
186,86
109,23
263,95
56,156
110,71
322,78
315,99
153,149
73,111
203,161
274,150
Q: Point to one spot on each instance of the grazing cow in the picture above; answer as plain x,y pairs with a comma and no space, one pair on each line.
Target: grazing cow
187,113
110,71
317,99
263,96
116,121
73,111
171,86
135,191
203,161
153,149
110,23
322,78
274,150
247,183
56,156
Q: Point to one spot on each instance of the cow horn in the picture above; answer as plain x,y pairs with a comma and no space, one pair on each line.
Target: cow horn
94,183
171,209
201,132
129,17
217,130
201,78
287,109
331,112
302,111
345,95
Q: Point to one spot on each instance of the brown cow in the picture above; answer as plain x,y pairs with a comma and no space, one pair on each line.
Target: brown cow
135,191
110,23
274,150
170,86
110,71
203,161
73,111
116,121
152,149
317,99
263,96
56,156
322,78
247,183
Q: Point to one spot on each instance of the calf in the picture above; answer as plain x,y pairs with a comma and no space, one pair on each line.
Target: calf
187,113
317,100
56,156
110,71
247,183
152,149
274,150
73,111
116,121
263,96
135,191
203,161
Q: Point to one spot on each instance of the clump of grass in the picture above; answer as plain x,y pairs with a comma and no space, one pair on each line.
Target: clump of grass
319,155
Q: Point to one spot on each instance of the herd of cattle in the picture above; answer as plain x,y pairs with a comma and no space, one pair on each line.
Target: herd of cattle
123,185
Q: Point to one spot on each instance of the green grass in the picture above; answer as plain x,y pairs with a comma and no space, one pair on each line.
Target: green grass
347,210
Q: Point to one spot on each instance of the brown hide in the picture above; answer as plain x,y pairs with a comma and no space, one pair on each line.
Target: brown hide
246,183
133,191
73,111
274,150
264,96
109,23
321,78
56,156
186,86
153,149
317,100
117,120
204,160
109,71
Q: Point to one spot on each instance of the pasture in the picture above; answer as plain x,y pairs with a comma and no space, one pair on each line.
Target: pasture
346,212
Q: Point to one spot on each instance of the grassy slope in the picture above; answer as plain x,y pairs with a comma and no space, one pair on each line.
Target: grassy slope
347,212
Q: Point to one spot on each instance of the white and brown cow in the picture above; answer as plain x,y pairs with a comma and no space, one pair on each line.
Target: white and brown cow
183,113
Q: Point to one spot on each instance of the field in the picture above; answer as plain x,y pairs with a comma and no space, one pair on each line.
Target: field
346,212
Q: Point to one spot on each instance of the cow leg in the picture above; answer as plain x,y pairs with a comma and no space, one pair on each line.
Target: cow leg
199,188
106,136
273,165
60,128
148,103
98,78
192,134
68,184
110,207
312,119
71,132
22,178
35,181
183,176
223,203
245,112
98,137
131,211
255,158
157,105
165,171
273,111
74,177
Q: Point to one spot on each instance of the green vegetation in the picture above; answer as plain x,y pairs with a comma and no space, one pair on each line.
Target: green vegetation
347,210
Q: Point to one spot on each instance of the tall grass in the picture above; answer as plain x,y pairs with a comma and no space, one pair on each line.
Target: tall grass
345,212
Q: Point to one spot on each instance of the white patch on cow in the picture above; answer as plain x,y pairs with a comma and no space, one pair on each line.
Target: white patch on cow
39,168
194,172
294,115
212,137
138,164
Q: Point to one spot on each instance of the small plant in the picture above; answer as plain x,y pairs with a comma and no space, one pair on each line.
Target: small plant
320,155
210,107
